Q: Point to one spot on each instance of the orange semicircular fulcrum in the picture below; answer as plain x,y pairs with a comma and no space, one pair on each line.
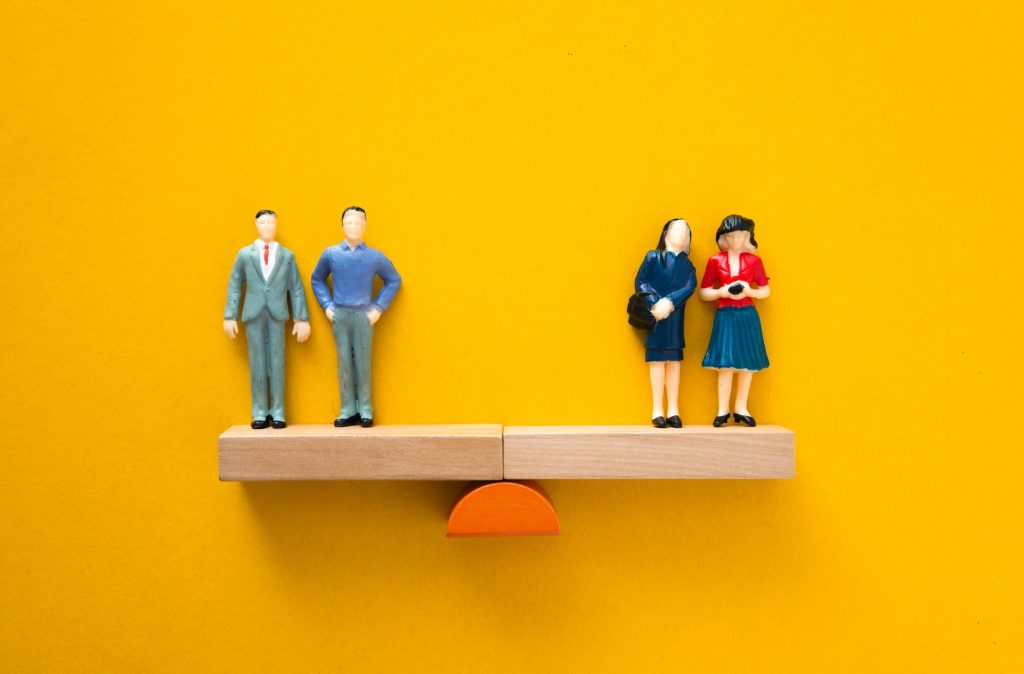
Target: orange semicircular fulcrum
504,509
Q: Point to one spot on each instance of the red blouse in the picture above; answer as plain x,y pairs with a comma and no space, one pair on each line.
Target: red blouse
717,274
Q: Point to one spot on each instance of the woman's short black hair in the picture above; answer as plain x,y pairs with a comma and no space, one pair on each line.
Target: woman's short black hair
353,208
260,214
736,223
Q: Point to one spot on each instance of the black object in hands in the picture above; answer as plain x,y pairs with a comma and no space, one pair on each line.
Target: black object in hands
736,288
639,310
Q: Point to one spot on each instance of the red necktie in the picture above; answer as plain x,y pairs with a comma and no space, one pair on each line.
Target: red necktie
266,253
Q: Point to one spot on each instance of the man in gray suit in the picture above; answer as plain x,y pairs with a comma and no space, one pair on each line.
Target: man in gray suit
271,277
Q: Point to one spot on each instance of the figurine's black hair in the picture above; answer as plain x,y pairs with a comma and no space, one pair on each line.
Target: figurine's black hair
352,208
664,233
260,214
736,223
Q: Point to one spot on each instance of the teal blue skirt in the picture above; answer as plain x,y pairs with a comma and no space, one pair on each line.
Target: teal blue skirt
736,340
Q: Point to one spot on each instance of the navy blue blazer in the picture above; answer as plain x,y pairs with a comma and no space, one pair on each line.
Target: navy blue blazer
673,276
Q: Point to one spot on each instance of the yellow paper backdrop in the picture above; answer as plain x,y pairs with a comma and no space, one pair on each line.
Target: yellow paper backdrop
516,161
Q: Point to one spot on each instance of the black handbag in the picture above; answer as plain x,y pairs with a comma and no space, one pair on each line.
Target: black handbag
639,310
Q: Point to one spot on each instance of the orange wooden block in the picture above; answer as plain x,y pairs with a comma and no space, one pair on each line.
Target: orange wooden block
503,509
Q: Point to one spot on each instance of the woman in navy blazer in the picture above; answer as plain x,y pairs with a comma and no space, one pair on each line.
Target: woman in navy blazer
668,274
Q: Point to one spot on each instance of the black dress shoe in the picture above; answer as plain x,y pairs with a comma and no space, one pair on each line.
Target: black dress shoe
366,423
659,422
351,421
749,421
278,424
720,420
675,422
259,423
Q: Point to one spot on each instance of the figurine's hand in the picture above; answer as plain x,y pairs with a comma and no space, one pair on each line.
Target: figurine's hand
301,330
373,315
231,327
724,290
330,314
727,290
662,308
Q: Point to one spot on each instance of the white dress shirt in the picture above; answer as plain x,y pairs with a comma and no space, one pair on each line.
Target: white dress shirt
266,267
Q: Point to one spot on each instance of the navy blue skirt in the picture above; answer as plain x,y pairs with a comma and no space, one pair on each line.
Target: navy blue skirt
662,355
736,340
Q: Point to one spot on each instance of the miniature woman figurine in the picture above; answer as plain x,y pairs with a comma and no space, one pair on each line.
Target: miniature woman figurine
735,277
667,273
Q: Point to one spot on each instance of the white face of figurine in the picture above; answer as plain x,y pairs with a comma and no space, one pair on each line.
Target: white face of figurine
354,224
678,236
266,225
736,241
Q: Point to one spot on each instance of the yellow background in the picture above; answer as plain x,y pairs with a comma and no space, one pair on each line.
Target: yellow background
516,162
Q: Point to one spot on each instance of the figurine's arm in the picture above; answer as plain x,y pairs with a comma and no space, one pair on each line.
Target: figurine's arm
319,283
708,291
761,279
641,284
712,294
300,315
662,306
678,297
758,293
392,281
235,282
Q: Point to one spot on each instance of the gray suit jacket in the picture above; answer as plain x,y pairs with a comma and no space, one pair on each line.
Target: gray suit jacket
273,293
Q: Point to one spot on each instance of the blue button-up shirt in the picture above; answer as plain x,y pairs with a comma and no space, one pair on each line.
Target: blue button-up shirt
352,272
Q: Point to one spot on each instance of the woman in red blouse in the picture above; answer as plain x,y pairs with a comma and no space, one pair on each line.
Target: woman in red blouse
734,278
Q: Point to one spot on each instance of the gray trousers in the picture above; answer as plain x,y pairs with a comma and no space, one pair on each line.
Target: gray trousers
265,338
353,335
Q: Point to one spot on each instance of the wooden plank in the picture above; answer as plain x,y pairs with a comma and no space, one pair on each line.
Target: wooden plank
315,452
645,452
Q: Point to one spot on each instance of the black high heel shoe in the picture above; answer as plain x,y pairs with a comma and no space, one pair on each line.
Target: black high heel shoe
749,421
659,422
720,420
675,422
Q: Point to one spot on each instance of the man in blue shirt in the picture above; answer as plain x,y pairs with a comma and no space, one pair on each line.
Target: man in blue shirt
352,266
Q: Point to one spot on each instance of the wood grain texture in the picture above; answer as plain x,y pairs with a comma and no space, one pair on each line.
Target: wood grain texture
645,452
315,452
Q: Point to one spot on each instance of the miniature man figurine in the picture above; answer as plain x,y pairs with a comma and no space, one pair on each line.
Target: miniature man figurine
271,276
352,266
